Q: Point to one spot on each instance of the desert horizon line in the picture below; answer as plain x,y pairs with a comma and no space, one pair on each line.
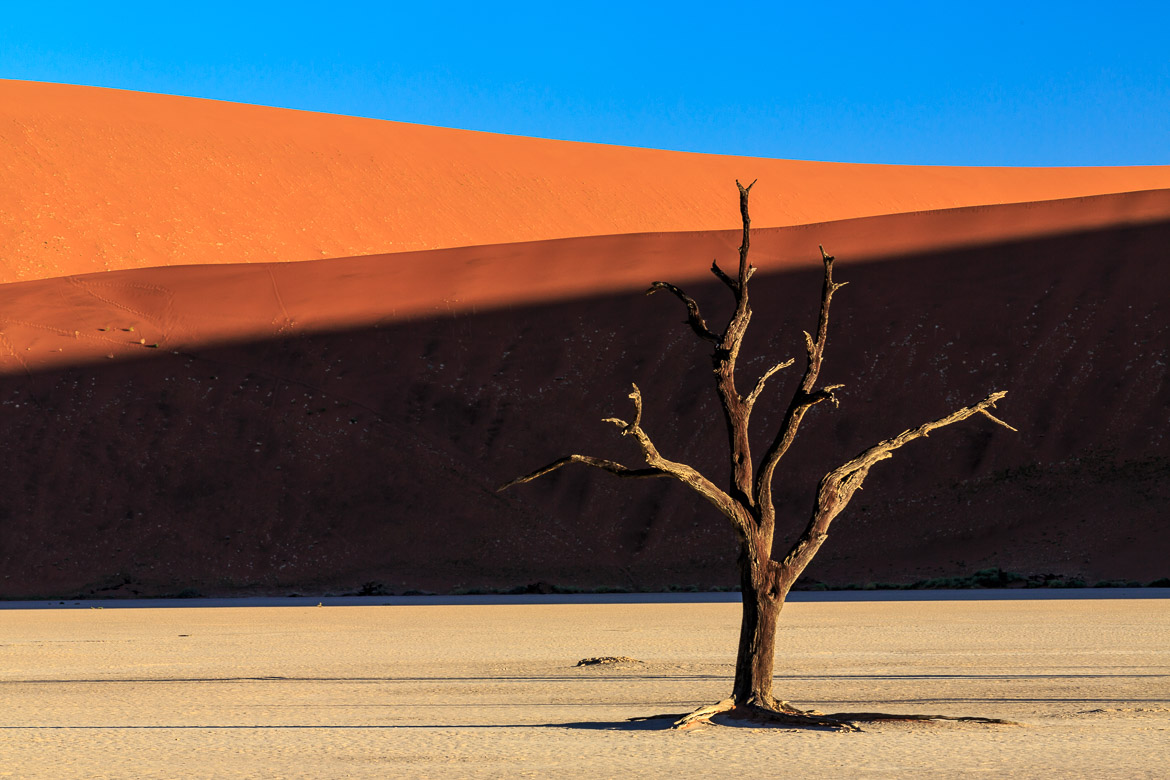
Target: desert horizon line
576,141
103,179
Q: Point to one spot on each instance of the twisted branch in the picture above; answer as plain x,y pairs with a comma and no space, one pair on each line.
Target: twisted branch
694,319
838,486
806,395
759,388
658,466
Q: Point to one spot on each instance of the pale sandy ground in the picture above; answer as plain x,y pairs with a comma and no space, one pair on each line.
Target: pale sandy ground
492,691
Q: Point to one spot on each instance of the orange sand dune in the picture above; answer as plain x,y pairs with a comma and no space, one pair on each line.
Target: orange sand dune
71,320
317,426
96,179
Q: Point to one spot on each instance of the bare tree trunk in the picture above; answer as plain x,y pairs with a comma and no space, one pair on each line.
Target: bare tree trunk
747,503
757,637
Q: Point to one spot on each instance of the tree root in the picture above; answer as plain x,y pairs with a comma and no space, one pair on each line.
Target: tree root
781,713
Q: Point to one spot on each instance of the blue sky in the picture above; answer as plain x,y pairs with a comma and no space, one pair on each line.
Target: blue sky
958,83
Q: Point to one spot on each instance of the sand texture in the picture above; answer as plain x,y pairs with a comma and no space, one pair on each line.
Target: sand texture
101,179
185,409
492,691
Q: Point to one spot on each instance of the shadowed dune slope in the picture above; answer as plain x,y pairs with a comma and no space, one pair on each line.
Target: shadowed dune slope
318,426
97,179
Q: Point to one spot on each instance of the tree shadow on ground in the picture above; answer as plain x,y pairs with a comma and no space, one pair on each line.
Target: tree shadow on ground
660,723
758,718
667,723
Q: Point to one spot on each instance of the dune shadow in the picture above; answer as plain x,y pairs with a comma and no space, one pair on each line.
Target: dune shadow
336,441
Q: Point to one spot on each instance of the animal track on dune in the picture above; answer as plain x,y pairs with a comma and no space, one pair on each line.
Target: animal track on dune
155,319
8,345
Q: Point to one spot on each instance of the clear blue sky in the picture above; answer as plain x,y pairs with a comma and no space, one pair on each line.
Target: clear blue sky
955,83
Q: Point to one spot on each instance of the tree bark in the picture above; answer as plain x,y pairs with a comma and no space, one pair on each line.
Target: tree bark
754,663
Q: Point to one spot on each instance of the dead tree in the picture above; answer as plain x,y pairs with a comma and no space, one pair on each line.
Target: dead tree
747,502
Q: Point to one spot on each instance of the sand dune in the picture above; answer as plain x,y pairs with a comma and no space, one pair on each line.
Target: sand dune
98,179
187,408
318,426
85,318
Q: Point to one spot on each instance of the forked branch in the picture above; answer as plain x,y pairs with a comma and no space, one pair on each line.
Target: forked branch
850,475
847,478
806,395
838,486
745,269
635,427
658,466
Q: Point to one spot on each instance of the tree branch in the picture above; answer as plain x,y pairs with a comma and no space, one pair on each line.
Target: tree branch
806,395
723,277
858,467
612,467
658,467
745,270
826,393
694,319
995,419
736,411
838,486
759,388
626,427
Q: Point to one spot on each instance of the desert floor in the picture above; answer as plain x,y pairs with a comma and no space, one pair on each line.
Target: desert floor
492,690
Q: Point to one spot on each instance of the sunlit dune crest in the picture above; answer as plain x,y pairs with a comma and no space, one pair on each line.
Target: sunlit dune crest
98,179
81,318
